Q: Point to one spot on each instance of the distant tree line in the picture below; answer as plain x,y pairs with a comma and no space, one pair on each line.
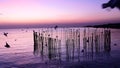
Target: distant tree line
112,4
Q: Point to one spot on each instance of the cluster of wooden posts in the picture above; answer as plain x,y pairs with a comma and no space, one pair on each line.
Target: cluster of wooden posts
77,42
72,43
45,45
96,41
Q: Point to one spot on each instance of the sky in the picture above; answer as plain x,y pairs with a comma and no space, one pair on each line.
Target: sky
55,11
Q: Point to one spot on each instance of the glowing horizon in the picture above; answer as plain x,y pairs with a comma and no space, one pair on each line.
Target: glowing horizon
47,11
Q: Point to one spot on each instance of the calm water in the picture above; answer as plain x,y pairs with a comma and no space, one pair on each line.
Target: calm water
69,46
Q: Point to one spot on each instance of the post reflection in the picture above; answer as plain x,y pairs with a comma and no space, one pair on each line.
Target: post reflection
72,44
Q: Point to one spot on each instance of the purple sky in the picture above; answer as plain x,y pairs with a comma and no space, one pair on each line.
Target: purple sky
53,11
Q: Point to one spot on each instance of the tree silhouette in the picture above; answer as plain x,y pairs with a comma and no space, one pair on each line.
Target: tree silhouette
112,4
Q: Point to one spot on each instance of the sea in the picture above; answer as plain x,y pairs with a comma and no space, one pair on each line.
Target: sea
73,47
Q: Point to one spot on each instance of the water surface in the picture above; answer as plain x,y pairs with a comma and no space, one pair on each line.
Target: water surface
70,47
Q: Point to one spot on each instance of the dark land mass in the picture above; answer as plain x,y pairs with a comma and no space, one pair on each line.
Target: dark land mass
111,25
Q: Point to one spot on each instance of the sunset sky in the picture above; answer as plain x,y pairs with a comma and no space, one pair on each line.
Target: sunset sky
55,11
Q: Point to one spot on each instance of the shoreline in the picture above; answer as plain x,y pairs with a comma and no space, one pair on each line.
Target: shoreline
111,25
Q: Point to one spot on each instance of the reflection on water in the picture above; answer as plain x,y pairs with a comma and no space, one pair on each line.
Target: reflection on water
72,44
60,47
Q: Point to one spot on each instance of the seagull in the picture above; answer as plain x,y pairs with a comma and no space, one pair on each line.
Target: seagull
7,45
5,34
